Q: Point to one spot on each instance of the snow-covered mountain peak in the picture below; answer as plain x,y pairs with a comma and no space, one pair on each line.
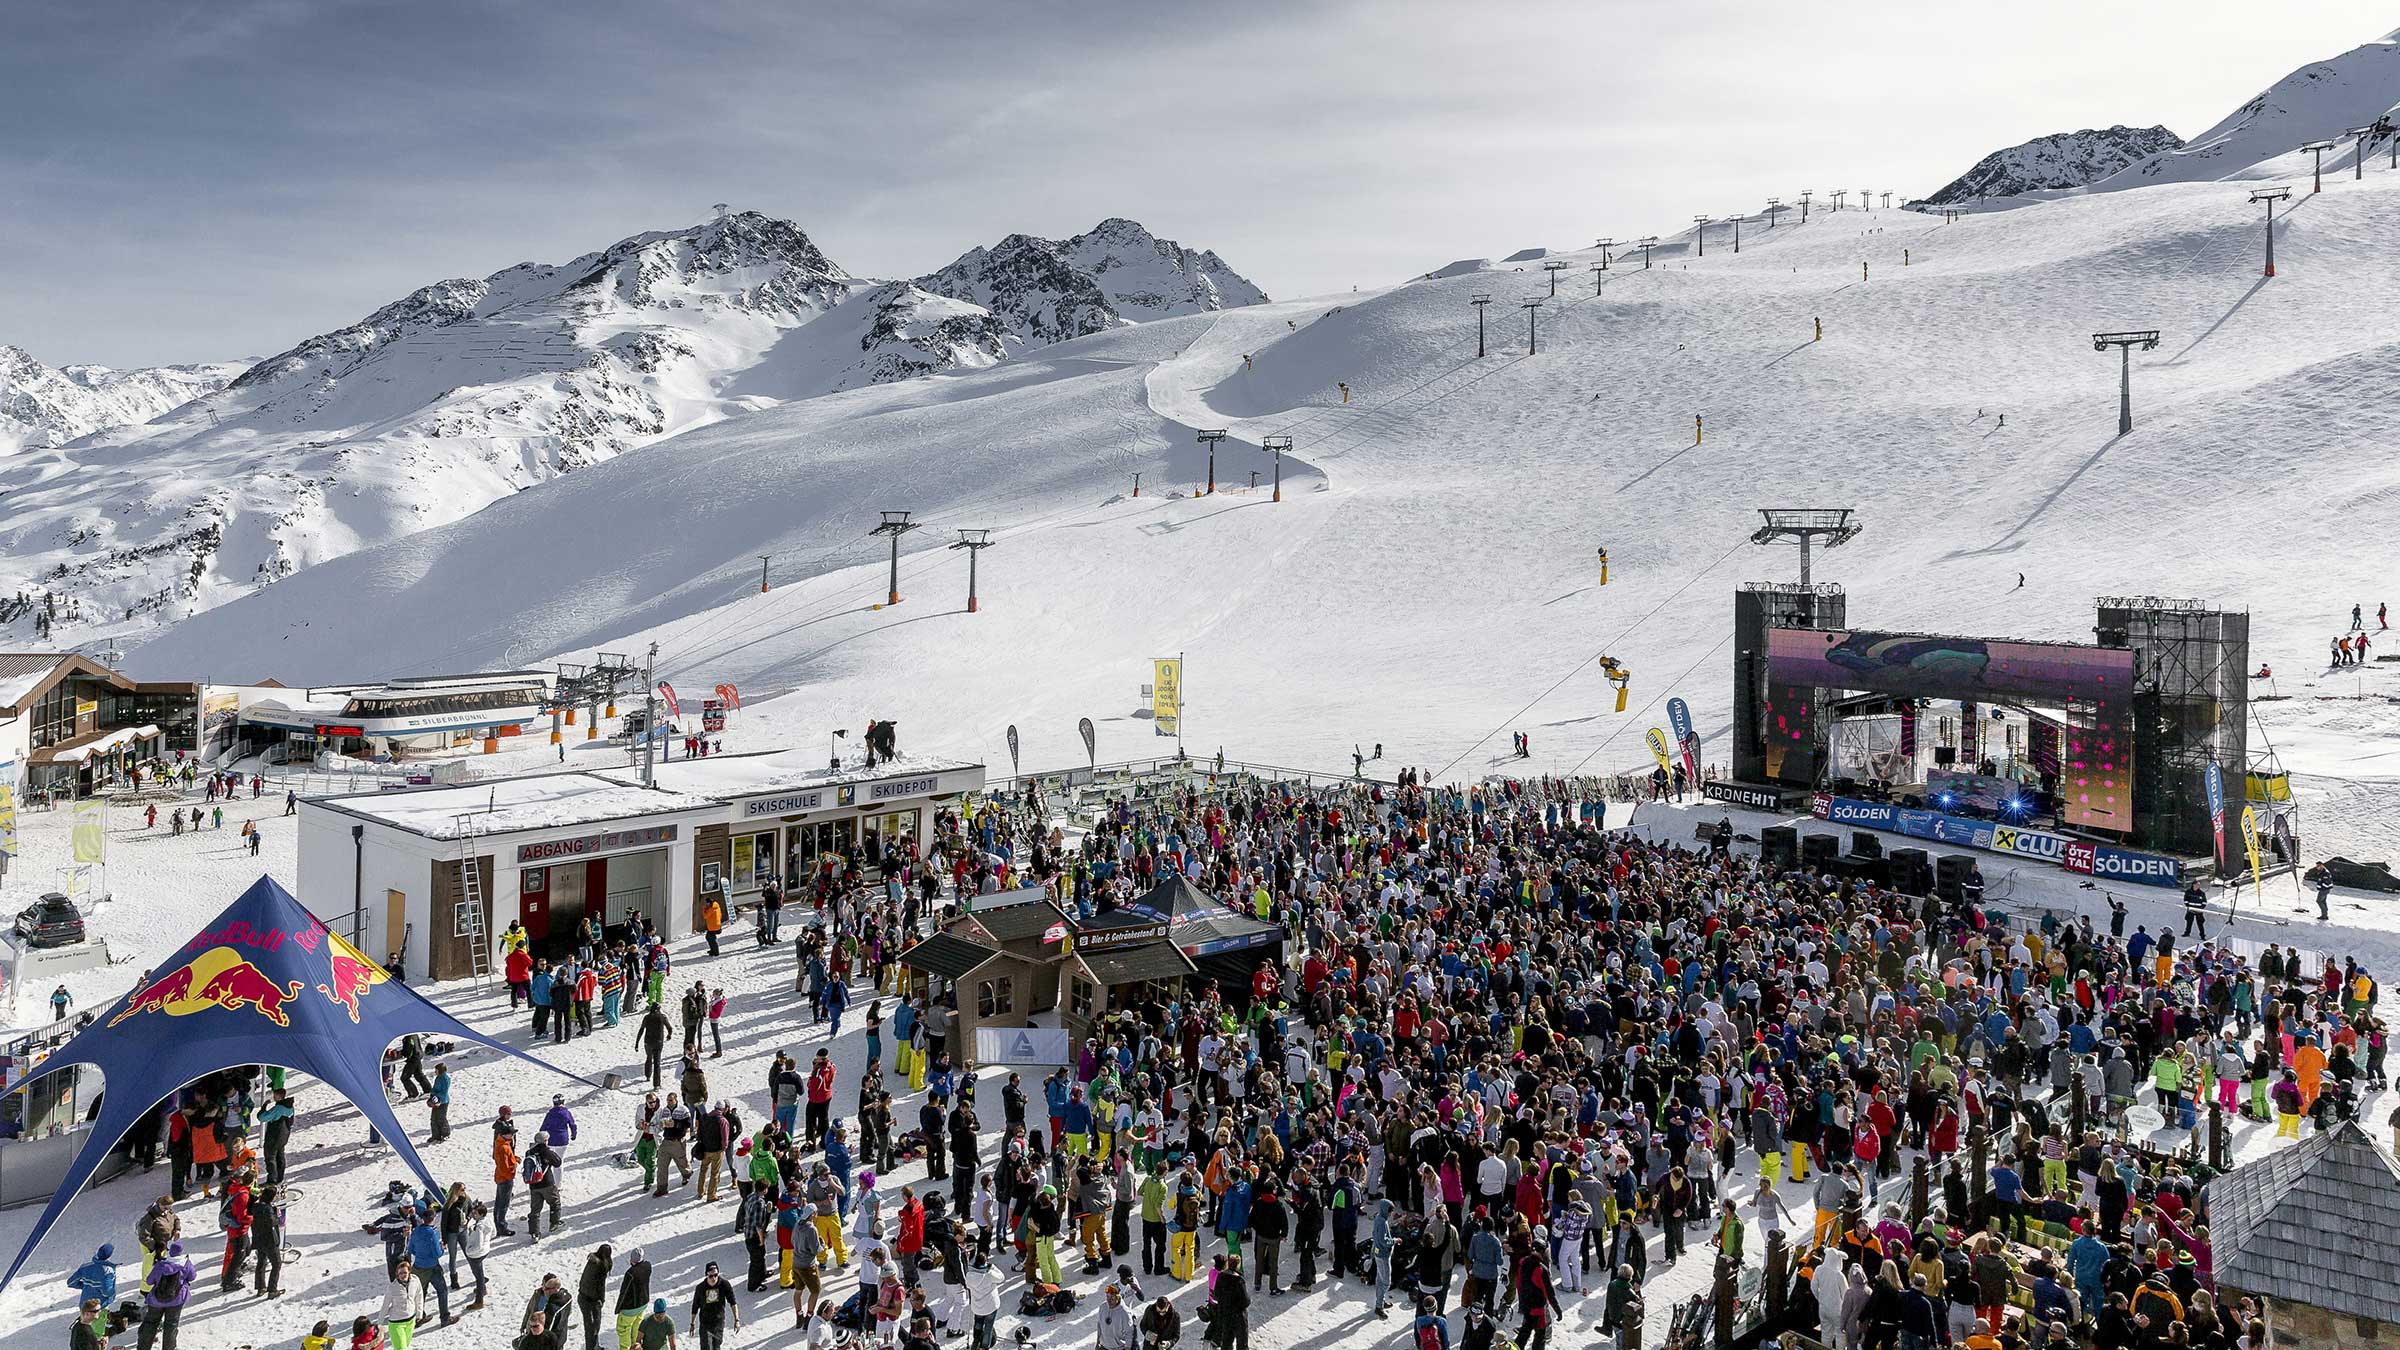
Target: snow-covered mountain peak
1117,272
42,406
2068,159
2320,101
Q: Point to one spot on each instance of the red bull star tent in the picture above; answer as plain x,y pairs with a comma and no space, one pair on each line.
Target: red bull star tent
266,982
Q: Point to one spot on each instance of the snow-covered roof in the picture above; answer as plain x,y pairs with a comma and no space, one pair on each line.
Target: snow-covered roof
507,805
730,777
121,736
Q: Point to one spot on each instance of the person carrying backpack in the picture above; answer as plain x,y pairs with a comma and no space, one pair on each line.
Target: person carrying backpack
163,1296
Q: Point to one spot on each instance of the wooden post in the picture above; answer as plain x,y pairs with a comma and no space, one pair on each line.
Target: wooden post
1777,1278
2079,1109
1727,1289
2218,1154
1920,1192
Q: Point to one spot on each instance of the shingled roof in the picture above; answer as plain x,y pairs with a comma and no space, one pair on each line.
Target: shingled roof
2317,1223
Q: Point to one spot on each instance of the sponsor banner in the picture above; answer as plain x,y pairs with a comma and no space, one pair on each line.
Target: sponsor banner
1166,696
2028,843
667,692
8,807
2250,837
1865,815
2110,863
2105,861
1679,716
1821,805
1738,794
1091,740
1237,943
1046,1046
1657,741
712,714
2215,779
1012,748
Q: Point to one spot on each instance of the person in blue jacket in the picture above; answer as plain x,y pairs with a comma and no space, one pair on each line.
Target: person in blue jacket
1431,1332
425,1255
1054,1096
97,1278
2087,1256
1233,1216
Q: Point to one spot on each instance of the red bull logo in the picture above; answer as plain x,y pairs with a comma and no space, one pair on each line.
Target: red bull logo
217,978
351,976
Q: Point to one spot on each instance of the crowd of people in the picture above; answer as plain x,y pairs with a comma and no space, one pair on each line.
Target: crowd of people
1509,1068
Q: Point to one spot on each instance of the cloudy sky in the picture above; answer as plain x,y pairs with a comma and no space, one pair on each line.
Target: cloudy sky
206,181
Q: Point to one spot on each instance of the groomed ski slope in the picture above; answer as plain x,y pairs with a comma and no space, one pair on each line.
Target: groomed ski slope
1430,569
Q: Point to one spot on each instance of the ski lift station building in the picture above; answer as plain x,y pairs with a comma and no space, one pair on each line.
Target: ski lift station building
389,867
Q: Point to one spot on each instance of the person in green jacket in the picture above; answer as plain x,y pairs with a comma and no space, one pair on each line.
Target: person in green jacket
2166,1078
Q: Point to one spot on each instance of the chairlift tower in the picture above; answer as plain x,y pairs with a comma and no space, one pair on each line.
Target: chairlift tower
1700,231
2358,158
1482,298
2318,148
895,524
1531,305
1599,281
2271,196
1807,526
1604,245
2147,340
1210,439
1804,198
1647,242
1554,267
1279,446
974,542
1774,204
1737,233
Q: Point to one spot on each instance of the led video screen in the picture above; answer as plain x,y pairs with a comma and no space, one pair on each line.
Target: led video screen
2095,684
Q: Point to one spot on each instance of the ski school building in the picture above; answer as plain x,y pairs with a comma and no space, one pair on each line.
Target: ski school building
432,873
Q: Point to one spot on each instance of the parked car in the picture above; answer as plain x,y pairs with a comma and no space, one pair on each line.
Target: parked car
51,921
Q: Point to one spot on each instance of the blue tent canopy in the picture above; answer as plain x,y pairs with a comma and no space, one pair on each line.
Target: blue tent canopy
266,982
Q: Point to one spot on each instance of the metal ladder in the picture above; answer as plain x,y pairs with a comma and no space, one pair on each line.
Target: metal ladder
470,905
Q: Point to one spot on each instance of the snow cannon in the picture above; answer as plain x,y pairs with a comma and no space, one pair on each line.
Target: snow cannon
1618,676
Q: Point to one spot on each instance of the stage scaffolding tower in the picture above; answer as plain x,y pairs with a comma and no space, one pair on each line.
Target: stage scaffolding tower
2191,708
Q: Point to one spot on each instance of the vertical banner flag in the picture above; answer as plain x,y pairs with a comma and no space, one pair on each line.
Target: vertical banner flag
1012,748
8,808
1657,741
1166,696
1679,716
1970,730
90,831
667,692
2216,808
2250,835
1091,741
1908,731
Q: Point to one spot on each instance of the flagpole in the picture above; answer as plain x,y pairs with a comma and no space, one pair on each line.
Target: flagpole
1181,698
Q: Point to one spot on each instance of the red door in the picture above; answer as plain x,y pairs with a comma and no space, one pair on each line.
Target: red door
533,903
595,890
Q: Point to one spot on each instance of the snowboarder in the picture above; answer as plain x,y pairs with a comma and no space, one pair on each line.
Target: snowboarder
1245,360
2020,581
2382,616
2357,624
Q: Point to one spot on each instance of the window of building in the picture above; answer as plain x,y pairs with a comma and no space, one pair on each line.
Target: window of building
1079,996
996,998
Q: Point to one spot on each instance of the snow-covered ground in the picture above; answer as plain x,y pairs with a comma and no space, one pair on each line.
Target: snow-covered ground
167,886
